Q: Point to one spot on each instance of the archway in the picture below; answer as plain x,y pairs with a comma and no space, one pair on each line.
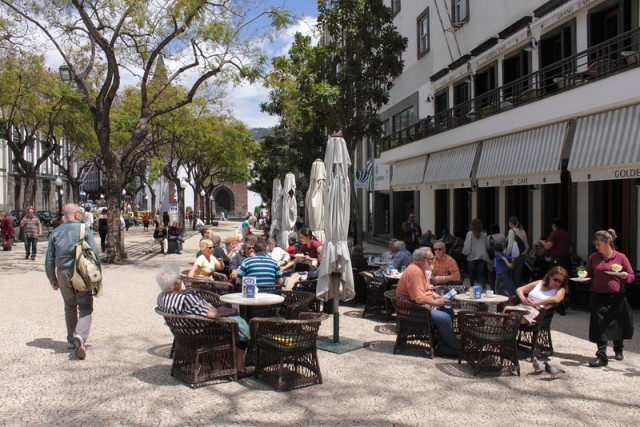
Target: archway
224,200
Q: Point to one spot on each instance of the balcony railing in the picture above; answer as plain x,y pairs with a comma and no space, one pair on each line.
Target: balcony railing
603,60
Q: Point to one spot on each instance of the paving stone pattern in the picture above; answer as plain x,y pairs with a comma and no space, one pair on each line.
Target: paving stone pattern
125,378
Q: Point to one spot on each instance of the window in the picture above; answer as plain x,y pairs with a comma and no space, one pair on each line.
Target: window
403,119
395,7
460,9
423,33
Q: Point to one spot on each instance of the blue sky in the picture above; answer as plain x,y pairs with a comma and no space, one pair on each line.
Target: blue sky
244,101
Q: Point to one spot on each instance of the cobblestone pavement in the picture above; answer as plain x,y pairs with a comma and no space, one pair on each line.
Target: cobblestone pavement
125,378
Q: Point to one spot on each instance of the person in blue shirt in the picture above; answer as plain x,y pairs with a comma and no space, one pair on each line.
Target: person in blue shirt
502,262
266,270
402,258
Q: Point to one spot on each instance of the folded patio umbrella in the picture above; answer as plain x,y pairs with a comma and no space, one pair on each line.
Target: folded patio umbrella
289,210
276,209
315,200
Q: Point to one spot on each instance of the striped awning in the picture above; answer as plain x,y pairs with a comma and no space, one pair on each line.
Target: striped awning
606,146
524,158
451,168
407,174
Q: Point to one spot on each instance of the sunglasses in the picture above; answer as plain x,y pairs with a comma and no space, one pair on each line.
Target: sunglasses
430,259
556,280
438,249
248,248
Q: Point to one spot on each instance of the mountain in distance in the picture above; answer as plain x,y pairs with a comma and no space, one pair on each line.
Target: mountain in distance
260,133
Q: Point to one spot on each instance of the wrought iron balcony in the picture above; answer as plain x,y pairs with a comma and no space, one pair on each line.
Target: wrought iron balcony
613,56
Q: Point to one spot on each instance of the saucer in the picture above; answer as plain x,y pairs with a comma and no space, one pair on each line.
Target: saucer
615,273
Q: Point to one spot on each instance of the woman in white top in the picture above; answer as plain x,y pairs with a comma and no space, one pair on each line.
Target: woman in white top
206,263
476,249
550,290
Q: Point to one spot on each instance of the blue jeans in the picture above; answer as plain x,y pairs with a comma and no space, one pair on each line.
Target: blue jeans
31,246
476,272
442,319
505,285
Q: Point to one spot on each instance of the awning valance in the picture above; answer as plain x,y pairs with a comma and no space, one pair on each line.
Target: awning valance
524,158
607,146
407,174
451,168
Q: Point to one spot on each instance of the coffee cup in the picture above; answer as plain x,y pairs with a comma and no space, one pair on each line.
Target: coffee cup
489,293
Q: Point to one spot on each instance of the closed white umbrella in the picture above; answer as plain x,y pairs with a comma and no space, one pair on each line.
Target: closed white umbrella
335,280
289,210
315,200
276,209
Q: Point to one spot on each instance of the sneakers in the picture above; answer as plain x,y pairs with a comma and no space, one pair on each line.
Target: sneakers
71,346
81,352
619,355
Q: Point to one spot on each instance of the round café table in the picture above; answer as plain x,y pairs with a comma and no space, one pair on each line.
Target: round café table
261,299
484,303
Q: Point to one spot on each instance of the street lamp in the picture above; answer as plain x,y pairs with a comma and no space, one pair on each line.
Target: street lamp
203,203
146,202
124,193
211,210
183,185
102,200
65,73
58,183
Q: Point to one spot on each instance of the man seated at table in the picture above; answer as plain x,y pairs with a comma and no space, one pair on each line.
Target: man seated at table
173,300
390,254
266,270
245,250
402,258
415,286
445,268
287,264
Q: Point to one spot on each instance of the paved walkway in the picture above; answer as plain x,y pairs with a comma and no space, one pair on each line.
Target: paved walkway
125,379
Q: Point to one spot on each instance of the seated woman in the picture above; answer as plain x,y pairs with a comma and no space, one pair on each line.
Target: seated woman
206,263
173,300
550,290
311,248
175,235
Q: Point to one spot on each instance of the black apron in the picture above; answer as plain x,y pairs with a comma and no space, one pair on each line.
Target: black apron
611,318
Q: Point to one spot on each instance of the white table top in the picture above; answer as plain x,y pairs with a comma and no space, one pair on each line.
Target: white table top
261,299
393,276
495,299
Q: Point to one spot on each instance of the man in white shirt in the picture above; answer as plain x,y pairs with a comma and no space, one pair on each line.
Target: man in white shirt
87,217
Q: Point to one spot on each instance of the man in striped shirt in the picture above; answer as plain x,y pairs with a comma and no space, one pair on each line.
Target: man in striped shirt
31,229
266,270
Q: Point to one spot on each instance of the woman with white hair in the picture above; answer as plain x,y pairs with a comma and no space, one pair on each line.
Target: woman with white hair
173,300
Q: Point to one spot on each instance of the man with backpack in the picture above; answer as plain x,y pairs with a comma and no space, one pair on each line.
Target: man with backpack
59,266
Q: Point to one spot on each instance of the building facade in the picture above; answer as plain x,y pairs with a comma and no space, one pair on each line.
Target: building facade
513,108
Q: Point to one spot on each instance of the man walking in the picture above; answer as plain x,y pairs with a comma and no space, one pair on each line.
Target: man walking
87,218
411,232
59,264
31,229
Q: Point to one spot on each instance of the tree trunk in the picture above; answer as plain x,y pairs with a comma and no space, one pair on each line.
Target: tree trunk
29,189
115,253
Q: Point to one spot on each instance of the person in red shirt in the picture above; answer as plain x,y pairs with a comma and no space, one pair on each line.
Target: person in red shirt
6,225
558,244
414,285
311,248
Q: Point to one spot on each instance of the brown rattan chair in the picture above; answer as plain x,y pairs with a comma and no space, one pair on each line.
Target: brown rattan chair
376,301
286,353
457,305
205,349
202,282
489,341
536,338
413,324
295,302
309,286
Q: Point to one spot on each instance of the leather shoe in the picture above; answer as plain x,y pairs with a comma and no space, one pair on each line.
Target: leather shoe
619,355
444,350
598,363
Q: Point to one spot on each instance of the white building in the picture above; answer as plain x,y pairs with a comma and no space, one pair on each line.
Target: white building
524,108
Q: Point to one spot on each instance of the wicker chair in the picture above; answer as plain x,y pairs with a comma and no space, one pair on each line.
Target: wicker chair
295,302
536,338
205,349
201,282
489,341
286,353
309,286
376,301
457,305
413,324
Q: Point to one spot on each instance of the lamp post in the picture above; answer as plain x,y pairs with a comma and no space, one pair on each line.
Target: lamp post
203,203
211,211
82,197
146,202
58,183
124,193
181,212
102,200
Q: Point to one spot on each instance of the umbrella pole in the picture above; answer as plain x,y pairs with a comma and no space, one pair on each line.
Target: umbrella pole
336,316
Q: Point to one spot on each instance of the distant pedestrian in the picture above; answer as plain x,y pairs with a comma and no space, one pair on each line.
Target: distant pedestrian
103,228
476,249
516,233
7,231
31,229
145,221
59,263
411,232
87,218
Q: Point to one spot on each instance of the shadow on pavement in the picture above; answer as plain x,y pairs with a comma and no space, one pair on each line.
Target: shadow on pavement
49,344
160,351
386,329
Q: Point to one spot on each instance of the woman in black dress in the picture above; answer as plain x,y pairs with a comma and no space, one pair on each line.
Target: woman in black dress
103,227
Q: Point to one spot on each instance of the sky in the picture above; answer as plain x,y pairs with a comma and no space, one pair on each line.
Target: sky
244,101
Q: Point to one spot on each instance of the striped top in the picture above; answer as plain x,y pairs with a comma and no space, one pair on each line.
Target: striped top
30,226
264,269
182,303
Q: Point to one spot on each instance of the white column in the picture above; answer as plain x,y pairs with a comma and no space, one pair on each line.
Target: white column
452,214
427,209
474,205
583,234
536,215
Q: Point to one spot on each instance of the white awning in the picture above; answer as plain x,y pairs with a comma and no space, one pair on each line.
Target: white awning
407,174
524,158
606,146
451,168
